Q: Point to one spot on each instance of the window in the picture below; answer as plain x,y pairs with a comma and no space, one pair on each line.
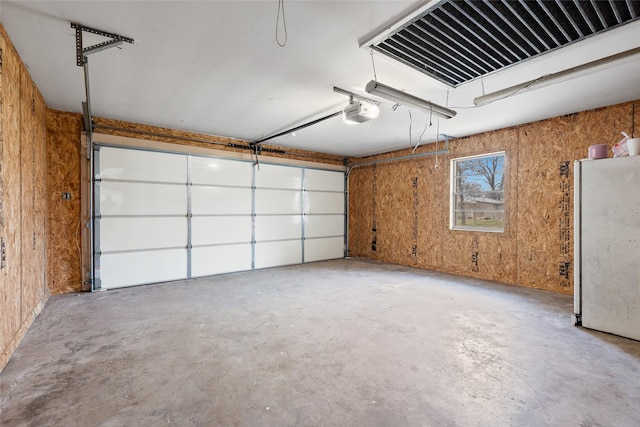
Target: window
477,193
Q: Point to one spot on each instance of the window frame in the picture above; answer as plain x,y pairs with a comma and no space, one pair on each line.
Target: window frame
453,195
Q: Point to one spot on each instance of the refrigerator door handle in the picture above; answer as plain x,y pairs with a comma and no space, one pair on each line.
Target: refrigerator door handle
577,232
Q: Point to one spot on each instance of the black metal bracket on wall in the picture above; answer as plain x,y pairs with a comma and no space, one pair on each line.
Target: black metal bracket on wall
82,61
82,52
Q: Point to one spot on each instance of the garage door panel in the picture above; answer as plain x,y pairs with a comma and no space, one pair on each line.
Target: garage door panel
274,176
320,180
134,198
323,203
270,202
323,249
272,254
123,234
220,230
278,227
136,268
166,216
220,201
214,171
140,165
323,225
210,260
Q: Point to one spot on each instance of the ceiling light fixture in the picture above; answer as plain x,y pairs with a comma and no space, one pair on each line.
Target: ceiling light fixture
549,79
403,98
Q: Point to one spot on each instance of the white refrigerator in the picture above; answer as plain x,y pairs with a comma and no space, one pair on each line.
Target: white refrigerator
607,245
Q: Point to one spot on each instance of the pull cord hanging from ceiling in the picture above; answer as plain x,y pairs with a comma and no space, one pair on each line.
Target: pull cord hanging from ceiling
395,106
284,24
428,122
428,119
438,132
410,126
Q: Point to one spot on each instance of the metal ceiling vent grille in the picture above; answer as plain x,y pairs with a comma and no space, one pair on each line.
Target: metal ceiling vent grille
456,41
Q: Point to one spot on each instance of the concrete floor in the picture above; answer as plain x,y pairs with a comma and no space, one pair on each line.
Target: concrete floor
339,343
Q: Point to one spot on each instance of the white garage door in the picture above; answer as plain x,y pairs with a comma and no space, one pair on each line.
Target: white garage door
167,216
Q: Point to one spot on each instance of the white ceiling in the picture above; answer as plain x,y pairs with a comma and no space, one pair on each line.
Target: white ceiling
214,67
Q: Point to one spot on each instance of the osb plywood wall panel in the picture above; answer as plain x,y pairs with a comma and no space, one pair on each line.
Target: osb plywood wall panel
399,212
27,193
545,184
33,181
22,205
63,216
362,195
41,205
10,215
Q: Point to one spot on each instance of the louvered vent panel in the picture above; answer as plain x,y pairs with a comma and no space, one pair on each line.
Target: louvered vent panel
459,40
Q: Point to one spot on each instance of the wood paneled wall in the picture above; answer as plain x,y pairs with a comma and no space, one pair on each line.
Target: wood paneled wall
399,212
23,290
63,215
